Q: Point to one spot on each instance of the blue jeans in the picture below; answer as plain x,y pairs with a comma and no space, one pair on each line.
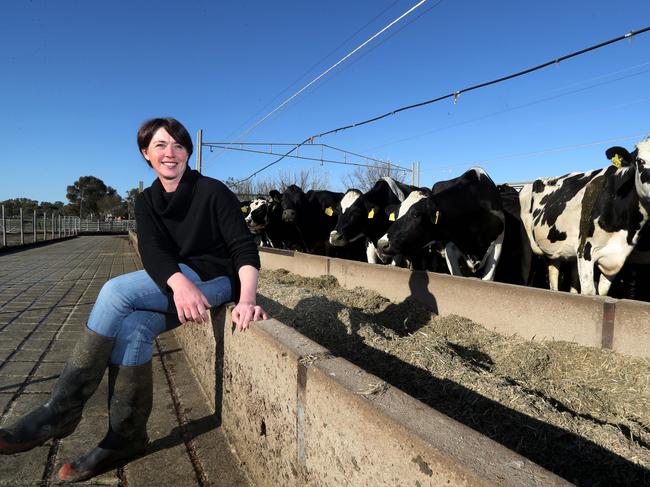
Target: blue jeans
134,310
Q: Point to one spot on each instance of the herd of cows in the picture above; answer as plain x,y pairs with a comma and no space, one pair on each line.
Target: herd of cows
575,232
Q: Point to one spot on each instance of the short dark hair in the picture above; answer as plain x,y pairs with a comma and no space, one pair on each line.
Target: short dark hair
172,126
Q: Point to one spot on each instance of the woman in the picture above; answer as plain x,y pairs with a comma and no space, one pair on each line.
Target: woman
197,253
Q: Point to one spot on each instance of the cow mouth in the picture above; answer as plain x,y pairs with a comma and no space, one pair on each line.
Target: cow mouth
339,240
256,228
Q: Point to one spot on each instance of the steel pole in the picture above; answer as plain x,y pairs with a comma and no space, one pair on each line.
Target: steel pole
34,227
199,152
4,228
22,235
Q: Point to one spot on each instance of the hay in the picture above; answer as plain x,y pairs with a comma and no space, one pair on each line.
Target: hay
580,412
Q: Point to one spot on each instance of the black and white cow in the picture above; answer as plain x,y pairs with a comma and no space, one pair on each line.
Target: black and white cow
593,217
264,220
366,216
516,255
313,215
464,215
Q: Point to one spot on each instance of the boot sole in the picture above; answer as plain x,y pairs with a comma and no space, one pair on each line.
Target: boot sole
67,474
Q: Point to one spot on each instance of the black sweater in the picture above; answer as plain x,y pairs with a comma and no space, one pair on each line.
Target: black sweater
200,225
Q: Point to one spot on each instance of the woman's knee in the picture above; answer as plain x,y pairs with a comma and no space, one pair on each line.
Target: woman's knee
113,291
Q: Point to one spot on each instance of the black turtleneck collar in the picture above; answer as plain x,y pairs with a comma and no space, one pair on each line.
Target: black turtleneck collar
180,199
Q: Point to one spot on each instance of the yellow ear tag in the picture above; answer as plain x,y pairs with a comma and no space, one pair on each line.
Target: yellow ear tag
435,221
616,160
244,209
329,211
391,217
371,213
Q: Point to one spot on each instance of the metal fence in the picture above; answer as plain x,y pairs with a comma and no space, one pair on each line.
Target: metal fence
31,227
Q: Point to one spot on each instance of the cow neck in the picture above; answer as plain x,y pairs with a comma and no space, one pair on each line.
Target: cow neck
394,188
179,201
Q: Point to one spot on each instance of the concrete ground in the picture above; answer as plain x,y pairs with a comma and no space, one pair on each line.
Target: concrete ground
46,294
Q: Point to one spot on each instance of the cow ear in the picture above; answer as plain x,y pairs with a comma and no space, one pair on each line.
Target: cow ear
619,156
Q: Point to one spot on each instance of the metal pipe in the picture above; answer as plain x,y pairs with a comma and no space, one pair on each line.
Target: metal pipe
22,235
4,228
199,152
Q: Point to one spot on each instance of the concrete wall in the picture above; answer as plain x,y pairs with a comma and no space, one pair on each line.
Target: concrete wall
298,416
620,325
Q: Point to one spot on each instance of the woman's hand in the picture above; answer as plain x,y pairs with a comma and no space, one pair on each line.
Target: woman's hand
245,312
191,304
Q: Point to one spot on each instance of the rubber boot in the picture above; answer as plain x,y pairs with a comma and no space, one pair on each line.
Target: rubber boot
130,401
60,414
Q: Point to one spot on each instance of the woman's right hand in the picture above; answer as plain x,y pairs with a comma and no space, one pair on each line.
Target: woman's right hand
191,303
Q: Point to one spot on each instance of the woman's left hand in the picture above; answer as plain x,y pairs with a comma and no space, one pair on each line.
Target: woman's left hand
245,312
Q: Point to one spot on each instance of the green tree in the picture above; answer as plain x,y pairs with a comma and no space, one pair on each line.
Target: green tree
48,207
110,205
131,195
85,193
13,206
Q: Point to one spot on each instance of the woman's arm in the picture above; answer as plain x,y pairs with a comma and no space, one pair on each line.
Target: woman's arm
246,309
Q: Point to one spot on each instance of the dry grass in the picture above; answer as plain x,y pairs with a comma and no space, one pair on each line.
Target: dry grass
580,412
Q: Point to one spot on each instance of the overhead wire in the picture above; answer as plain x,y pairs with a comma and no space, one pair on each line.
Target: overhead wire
249,130
457,93
343,59
315,159
537,152
524,105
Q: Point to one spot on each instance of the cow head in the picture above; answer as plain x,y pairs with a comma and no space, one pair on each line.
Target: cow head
642,181
415,225
262,210
294,200
258,216
352,219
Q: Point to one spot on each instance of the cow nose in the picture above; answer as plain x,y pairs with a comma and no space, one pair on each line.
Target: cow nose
289,215
336,238
383,245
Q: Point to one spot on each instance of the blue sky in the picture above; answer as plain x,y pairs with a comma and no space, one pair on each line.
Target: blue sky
78,78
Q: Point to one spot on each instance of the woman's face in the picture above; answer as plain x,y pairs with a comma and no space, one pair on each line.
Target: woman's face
167,157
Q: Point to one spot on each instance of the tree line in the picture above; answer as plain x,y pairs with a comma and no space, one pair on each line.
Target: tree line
88,197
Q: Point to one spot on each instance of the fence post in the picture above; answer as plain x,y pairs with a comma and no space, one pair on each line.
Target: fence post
34,227
4,228
22,235
59,225
44,226
53,225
